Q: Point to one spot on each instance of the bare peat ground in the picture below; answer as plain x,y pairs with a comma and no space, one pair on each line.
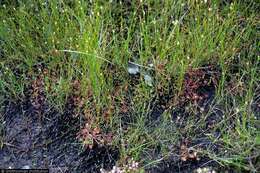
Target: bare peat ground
49,142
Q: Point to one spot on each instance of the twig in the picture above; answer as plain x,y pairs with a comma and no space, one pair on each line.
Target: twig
141,65
84,53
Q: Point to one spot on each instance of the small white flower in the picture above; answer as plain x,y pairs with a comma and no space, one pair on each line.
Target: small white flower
199,170
175,22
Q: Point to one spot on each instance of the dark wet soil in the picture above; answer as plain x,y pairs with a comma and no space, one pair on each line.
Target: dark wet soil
48,141
171,165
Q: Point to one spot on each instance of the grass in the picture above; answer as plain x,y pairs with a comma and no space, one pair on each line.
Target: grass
81,50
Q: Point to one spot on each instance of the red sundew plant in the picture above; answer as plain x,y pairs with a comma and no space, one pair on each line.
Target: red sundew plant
92,136
196,80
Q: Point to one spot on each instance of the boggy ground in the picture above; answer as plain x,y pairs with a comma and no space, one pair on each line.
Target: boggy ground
145,86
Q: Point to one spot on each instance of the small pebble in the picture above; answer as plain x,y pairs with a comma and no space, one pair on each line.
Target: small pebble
148,80
133,69
26,167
